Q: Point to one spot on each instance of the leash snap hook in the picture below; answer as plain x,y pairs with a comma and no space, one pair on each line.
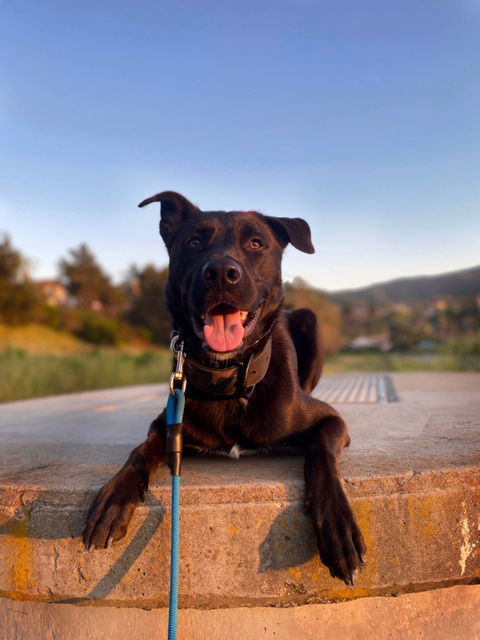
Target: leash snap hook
177,377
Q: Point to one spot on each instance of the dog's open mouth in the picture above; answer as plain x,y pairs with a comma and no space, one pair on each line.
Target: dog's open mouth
224,327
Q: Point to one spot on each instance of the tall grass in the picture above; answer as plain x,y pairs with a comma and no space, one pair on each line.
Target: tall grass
444,360
26,375
37,361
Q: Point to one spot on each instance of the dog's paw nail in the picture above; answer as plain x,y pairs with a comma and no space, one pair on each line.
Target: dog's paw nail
108,542
90,546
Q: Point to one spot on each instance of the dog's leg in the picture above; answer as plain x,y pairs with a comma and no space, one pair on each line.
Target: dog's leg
111,511
340,542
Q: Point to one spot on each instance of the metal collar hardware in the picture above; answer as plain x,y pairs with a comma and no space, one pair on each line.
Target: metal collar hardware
177,377
237,380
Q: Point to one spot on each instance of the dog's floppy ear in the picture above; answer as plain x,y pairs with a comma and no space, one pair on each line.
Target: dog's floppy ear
174,208
293,230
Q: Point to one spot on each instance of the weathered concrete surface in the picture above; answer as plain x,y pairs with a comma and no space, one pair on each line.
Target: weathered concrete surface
412,474
443,614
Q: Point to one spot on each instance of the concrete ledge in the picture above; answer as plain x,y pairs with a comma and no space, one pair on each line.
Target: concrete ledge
444,614
412,474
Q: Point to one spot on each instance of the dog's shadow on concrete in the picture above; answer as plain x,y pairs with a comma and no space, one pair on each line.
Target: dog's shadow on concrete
56,528
121,566
290,541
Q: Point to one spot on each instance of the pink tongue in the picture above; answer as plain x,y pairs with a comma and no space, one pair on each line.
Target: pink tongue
224,332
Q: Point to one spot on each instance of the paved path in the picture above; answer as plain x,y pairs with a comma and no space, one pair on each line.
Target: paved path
75,441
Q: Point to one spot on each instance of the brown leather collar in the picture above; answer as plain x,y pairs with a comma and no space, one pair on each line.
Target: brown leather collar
236,381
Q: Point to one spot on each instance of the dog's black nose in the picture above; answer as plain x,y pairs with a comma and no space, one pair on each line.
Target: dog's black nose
222,271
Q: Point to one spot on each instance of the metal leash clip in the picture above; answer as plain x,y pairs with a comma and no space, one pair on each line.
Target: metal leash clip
177,378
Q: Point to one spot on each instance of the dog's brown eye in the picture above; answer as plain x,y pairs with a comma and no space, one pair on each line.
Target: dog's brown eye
255,243
194,242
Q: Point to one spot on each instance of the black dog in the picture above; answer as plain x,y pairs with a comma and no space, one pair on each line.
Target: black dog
250,369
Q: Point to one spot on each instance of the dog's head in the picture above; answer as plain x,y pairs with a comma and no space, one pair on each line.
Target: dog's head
225,286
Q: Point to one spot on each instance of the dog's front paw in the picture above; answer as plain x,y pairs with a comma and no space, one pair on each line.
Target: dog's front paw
339,539
111,511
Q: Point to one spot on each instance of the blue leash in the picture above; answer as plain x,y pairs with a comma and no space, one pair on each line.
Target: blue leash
175,408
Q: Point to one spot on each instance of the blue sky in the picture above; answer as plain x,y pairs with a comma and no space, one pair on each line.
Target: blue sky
361,117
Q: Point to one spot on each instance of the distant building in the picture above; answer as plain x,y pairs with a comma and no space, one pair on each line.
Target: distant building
55,292
401,307
97,306
379,341
427,345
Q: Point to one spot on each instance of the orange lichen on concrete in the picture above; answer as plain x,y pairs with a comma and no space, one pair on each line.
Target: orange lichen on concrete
364,512
422,510
20,548
296,573
232,530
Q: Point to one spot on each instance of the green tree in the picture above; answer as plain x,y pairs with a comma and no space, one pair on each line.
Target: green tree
404,334
88,283
148,305
299,294
20,299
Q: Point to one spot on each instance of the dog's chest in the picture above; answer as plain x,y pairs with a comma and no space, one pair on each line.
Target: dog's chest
236,451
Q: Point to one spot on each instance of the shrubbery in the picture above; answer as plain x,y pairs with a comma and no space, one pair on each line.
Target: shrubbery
465,346
99,329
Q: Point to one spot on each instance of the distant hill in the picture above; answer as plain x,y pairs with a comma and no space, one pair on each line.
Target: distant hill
414,290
